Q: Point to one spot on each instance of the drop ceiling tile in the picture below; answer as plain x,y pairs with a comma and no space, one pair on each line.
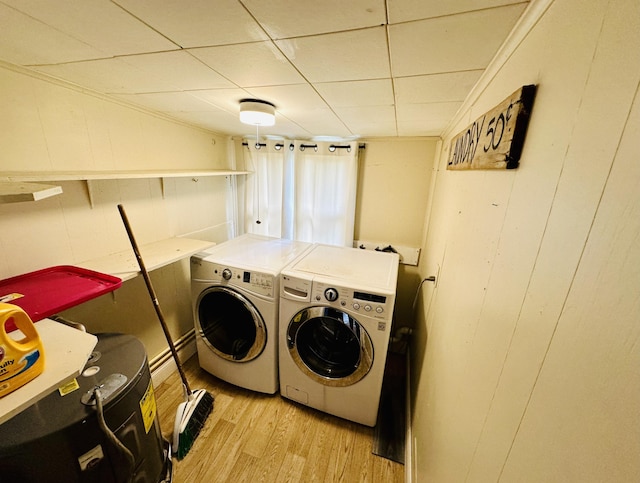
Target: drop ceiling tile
375,129
216,120
326,73
250,65
225,99
435,87
26,41
284,128
290,99
377,92
168,102
447,44
358,115
320,122
101,25
143,73
200,23
224,122
353,55
284,18
408,10
186,72
107,76
369,121
427,127
436,110
425,119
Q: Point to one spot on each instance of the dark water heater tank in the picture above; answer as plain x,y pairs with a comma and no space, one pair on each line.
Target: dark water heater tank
59,438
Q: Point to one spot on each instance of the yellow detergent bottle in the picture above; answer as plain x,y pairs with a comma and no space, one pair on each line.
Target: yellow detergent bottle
20,360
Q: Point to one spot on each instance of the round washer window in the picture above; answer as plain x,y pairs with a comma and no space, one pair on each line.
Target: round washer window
330,346
230,325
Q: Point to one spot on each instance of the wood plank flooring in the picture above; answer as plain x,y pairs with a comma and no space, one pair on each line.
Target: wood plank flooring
253,437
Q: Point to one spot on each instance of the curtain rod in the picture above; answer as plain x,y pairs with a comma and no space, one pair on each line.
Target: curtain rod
279,146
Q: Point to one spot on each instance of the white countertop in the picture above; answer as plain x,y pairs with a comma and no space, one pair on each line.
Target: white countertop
66,351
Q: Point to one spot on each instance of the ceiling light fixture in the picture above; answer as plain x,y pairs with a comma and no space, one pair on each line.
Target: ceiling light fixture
257,113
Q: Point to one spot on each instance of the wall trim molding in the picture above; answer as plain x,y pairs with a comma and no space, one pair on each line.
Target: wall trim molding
163,365
408,438
534,12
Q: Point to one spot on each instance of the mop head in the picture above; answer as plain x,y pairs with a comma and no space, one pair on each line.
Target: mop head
190,419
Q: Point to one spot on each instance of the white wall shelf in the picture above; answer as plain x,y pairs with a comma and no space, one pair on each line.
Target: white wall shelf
95,175
155,255
14,192
17,186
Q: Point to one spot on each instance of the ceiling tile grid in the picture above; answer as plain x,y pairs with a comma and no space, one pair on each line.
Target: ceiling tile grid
363,68
249,65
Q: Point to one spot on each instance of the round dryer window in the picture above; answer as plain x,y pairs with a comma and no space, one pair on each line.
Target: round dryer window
230,324
329,346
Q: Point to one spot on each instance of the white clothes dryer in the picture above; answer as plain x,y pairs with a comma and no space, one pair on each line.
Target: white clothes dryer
336,310
235,299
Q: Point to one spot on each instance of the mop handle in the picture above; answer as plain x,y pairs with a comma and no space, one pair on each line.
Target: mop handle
154,299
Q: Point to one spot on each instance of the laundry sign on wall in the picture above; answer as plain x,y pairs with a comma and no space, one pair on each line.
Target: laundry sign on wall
495,139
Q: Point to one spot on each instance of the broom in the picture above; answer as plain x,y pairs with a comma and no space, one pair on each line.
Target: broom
193,412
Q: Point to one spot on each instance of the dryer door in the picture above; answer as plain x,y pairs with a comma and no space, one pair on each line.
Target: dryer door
230,324
329,346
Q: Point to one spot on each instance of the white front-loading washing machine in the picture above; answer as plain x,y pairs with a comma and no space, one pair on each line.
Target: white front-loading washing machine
336,311
235,299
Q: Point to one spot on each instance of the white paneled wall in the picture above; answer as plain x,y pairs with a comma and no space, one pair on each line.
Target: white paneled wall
47,126
583,412
68,229
526,362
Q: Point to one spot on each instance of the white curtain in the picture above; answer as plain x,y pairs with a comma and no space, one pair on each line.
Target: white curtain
304,191
264,189
324,200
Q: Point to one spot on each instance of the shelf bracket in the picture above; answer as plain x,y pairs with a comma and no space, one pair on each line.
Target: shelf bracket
89,186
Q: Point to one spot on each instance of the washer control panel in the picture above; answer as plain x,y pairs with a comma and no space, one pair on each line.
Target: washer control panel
256,282
366,303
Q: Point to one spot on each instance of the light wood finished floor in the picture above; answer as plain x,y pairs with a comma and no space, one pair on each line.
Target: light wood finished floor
252,437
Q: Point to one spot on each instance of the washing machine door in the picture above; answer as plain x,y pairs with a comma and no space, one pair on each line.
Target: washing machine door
230,324
329,346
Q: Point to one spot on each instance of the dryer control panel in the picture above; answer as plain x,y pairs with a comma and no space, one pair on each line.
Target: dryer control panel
374,305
